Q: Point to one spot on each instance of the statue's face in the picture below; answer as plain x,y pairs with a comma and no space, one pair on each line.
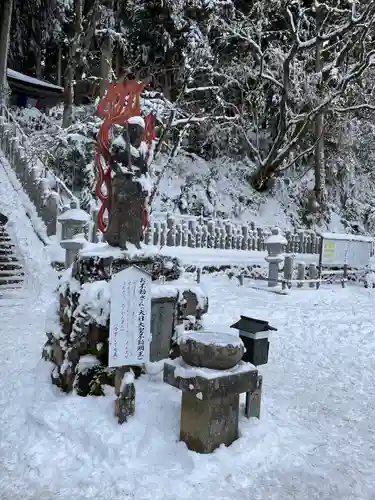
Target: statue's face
135,134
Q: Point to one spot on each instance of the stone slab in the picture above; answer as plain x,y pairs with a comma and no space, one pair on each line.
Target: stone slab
210,384
163,313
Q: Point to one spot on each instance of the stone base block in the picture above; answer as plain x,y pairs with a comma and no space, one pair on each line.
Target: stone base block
207,424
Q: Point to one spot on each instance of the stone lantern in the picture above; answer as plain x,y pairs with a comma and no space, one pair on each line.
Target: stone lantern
73,223
275,246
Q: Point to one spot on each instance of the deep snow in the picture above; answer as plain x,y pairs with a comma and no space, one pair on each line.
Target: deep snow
315,438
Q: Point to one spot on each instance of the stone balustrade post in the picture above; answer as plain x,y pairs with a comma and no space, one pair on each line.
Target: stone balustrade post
288,268
301,268
51,211
94,226
313,274
171,231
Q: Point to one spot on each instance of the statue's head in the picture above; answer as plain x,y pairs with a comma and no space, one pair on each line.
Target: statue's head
136,128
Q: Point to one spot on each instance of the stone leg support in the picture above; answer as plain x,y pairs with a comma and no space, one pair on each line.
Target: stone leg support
254,399
125,401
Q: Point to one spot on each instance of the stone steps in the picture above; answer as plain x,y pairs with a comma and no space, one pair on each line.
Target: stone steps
11,272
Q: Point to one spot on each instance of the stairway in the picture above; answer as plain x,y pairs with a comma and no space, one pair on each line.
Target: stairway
11,274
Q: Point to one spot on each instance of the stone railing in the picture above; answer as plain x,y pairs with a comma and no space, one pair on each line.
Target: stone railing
34,176
200,232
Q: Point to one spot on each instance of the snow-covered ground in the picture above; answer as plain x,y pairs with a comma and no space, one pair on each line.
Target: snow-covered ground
315,438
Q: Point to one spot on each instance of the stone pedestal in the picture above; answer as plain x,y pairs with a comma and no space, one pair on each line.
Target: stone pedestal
205,425
210,402
71,247
82,323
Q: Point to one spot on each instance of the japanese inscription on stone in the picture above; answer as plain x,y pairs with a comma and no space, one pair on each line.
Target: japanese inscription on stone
130,318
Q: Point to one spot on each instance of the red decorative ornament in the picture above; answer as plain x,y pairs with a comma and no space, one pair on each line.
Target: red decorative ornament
120,102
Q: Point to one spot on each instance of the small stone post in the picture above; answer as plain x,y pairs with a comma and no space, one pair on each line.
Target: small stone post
73,223
313,274
345,276
125,392
275,246
254,399
301,274
51,213
171,231
288,269
199,273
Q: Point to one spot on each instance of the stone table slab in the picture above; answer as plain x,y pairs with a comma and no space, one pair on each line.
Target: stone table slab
210,384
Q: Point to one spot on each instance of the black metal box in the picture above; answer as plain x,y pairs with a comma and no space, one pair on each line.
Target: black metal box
254,333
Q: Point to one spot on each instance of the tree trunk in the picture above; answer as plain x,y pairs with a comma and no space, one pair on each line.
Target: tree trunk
4,44
118,50
59,66
38,62
106,56
68,95
319,163
72,65
105,64
118,68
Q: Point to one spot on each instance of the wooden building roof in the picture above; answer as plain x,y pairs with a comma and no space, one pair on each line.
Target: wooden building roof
33,87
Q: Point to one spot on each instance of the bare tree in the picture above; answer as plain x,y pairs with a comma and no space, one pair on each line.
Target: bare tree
83,31
302,77
72,64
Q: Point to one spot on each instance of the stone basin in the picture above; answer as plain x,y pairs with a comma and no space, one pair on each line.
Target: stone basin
218,351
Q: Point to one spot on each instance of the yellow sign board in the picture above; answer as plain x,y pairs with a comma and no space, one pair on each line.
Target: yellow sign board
329,249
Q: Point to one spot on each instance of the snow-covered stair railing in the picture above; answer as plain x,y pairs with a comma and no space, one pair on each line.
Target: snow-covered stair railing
32,173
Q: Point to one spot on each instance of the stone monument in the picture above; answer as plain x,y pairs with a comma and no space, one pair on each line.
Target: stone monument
91,338
130,180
